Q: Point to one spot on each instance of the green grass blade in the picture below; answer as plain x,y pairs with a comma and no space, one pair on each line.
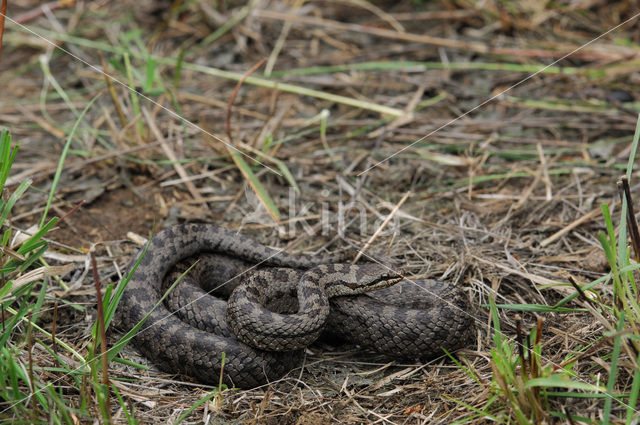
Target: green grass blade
633,398
62,407
115,349
20,314
12,200
35,240
562,381
634,149
285,87
135,104
195,405
150,73
114,300
34,257
5,289
613,372
424,66
129,415
538,308
588,287
481,413
255,184
178,70
63,156
7,156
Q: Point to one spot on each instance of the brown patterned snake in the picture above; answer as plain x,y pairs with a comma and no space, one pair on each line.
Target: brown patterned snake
196,348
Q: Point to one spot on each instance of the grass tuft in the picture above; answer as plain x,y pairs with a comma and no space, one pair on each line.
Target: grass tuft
23,388
526,381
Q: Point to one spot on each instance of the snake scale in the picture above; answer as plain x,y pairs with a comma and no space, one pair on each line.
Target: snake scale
399,320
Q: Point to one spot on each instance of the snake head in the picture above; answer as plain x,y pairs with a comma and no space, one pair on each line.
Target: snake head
354,279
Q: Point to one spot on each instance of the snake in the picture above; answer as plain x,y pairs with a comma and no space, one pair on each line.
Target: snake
192,334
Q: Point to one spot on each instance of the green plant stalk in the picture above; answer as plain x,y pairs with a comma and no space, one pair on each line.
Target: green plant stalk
633,394
623,285
613,372
608,242
115,348
178,69
44,332
602,395
63,409
130,415
479,413
503,367
135,104
577,419
289,88
35,240
63,368
424,66
149,75
7,156
44,66
467,369
227,26
537,308
449,184
634,149
43,399
584,288
15,373
255,184
13,198
195,405
63,155
562,105
629,172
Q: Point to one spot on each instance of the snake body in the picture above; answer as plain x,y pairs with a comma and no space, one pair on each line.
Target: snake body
196,349
259,327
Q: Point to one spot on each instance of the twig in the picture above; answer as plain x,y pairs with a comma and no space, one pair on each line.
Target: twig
171,155
588,216
545,171
341,26
235,93
71,211
382,226
558,52
38,11
273,57
3,11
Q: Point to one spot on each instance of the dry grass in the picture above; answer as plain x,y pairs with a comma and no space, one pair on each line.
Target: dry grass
504,200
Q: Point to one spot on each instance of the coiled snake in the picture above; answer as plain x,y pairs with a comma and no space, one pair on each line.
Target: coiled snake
400,320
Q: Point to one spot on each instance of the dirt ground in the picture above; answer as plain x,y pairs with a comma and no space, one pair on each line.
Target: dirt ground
444,116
